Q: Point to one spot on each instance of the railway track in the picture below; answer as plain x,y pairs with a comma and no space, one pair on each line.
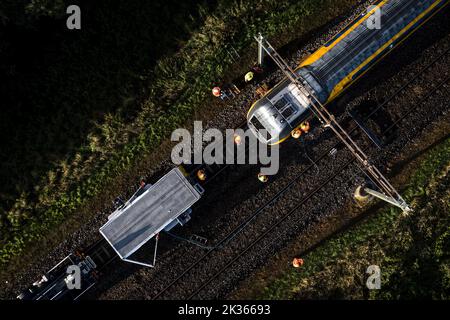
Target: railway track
242,226
101,252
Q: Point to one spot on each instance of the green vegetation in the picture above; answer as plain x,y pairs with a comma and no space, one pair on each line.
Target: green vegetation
413,252
87,104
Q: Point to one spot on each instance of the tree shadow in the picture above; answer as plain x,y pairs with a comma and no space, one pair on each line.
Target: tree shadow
56,83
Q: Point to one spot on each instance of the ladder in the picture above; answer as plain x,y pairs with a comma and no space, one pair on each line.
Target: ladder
329,120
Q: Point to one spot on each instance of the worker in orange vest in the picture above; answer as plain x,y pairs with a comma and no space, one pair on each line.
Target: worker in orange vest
201,175
305,126
216,92
263,178
297,262
296,133
237,139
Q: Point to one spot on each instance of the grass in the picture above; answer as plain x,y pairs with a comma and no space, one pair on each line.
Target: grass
413,252
58,185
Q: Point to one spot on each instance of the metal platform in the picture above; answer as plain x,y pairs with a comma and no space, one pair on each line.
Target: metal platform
150,213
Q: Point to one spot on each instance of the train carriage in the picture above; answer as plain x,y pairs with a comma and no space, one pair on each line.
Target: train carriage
339,63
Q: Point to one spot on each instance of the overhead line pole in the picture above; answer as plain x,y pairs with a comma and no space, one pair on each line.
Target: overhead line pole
329,121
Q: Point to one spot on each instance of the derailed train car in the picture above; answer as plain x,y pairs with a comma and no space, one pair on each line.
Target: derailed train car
340,62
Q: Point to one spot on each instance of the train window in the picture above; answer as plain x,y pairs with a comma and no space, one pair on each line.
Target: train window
287,112
280,103
256,123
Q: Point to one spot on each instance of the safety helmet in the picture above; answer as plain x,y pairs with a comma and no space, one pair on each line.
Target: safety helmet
296,133
305,126
237,139
248,76
263,178
201,175
297,262
216,91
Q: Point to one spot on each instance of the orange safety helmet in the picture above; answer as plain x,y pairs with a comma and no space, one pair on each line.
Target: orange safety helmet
305,126
201,175
297,262
216,91
262,177
237,139
296,133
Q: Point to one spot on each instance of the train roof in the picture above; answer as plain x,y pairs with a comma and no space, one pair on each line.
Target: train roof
150,213
278,112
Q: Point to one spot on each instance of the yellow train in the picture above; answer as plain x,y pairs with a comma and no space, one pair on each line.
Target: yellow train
339,63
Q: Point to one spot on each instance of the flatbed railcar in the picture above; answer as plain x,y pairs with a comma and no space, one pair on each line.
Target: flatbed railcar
151,209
